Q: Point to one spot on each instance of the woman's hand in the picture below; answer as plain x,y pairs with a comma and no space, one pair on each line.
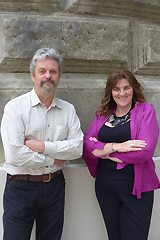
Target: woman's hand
127,146
93,139
107,149
130,146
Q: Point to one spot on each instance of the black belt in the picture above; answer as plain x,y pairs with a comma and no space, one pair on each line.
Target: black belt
36,178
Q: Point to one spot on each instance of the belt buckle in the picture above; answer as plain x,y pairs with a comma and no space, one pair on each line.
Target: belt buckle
49,178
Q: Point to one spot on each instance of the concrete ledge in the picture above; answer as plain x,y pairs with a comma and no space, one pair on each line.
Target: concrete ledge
82,214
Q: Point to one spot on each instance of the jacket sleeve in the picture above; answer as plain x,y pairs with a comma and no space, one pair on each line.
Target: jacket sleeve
149,132
89,146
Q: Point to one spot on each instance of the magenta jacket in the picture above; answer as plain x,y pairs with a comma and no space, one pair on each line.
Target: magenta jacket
144,126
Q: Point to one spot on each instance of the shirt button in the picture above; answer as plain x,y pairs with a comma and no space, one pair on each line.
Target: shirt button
48,125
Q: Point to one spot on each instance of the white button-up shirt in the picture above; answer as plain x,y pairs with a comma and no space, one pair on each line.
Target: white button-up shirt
25,117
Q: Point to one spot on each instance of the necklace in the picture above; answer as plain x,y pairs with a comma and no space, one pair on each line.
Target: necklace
115,121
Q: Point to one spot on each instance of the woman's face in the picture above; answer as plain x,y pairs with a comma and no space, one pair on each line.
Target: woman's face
122,94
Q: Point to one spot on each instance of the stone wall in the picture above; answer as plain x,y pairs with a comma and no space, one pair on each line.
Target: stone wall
94,38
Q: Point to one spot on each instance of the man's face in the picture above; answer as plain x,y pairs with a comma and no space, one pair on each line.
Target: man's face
46,76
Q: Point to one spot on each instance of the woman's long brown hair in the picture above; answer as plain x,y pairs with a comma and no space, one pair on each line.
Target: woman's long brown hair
107,103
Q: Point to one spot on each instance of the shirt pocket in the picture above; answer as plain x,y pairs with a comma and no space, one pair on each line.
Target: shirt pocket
59,132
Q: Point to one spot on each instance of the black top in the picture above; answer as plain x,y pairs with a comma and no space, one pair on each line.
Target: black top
117,134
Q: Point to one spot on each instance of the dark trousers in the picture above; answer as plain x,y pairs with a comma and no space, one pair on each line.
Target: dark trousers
26,201
125,217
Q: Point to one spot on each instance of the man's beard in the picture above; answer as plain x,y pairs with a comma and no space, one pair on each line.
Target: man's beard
50,89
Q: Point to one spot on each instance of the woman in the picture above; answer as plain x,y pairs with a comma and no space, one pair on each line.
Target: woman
118,149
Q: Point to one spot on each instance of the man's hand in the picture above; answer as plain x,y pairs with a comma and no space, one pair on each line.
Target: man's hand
38,146
35,145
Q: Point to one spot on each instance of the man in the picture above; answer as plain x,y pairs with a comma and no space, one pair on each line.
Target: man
40,133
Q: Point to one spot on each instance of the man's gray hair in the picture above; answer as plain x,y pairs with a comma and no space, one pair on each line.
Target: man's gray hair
44,53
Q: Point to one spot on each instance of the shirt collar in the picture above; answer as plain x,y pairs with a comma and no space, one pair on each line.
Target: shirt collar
35,100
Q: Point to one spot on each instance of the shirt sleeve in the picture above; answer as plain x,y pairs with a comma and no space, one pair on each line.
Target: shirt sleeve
71,147
13,136
149,132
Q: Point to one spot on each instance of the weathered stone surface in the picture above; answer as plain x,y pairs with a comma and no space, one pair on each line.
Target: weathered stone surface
154,3
95,37
88,45
146,48
142,9
35,5
134,8
85,91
